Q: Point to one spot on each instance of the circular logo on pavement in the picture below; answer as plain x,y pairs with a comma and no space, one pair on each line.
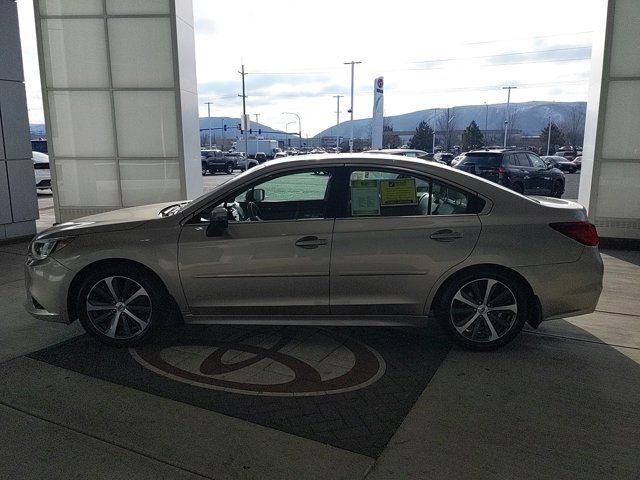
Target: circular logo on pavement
284,361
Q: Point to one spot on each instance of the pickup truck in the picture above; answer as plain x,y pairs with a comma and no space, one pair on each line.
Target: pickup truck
216,161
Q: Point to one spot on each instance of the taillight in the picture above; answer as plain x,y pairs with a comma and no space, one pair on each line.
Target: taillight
583,232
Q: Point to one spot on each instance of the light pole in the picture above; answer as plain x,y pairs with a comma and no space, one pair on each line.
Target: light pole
506,121
223,134
352,63
299,125
486,119
433,137
286,133
549,136
208,104
338,97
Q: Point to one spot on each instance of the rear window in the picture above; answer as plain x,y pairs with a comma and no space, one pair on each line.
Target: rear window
483,160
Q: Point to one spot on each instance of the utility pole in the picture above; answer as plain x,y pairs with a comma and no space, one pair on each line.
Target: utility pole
486,119
506,121
549,136
352,63
208,104
433,137
448,134
338,97
257,116
244,113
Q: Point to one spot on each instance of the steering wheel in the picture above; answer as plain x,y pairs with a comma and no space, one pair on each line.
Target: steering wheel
235,212
254,212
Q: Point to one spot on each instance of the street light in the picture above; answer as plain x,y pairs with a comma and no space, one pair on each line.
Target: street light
208,104
286,133
506,121
299,125
352,63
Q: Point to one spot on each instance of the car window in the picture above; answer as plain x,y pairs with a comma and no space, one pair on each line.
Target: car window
522,159
483,160
393,193
293,196
536,161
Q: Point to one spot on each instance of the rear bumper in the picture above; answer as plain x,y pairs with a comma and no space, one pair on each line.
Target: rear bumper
567,289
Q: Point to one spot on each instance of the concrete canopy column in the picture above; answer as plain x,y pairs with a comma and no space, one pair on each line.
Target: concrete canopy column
120,100
610,180
18,202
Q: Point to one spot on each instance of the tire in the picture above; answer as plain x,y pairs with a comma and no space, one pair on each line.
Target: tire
518,187
229,168
204,169
128,305
478,321
558,189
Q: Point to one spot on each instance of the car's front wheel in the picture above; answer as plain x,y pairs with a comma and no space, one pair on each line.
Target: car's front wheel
229,168
121,306
483,310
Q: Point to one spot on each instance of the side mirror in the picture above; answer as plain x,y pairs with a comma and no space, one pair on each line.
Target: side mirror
258,195
218,222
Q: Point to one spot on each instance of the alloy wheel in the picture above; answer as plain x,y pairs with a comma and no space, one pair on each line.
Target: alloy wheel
119,307
483,310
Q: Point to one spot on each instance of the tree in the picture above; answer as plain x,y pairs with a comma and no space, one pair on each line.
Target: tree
573,126
472,137
423,138
389,138
446,125
557,137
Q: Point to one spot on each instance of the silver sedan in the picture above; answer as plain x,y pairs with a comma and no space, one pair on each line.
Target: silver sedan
324,240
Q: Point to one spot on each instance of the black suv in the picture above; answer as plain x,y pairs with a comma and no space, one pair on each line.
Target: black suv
216,161
519,170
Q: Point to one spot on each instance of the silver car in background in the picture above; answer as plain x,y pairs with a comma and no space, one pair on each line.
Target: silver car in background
324,240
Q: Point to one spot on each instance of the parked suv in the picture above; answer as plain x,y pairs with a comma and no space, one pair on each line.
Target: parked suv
519,170
216,161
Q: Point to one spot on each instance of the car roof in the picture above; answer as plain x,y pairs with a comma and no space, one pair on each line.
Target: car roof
395,151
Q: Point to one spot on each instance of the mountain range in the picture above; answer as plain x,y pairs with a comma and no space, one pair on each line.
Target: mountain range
529,117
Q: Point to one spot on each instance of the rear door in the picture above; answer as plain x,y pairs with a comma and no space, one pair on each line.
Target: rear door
528,173
544,177
396,235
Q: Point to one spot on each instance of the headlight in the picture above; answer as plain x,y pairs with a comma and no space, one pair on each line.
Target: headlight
41,249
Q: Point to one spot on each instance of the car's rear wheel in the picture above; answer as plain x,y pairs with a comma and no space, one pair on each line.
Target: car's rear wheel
121,306
483,310
204,169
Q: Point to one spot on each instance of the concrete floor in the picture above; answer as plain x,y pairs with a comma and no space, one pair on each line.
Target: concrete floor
560,402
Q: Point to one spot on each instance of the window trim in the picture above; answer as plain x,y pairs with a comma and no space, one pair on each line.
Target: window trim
343,197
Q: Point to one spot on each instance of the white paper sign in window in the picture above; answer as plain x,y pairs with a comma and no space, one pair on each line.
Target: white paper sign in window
365,198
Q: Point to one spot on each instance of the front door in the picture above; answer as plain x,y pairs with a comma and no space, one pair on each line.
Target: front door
399,233
273,258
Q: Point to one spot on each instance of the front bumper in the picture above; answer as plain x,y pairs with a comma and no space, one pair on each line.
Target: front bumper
47,284
567,289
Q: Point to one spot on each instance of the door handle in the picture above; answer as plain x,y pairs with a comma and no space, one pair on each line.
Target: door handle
311,242
445,235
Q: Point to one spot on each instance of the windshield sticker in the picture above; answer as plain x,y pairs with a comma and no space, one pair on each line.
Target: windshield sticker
365,198
398,192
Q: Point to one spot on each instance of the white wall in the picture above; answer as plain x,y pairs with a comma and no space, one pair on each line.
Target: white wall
610,180
117,86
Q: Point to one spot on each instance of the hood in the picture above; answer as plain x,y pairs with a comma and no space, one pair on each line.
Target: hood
122,219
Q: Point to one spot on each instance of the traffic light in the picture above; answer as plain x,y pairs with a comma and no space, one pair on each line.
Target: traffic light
224,127
240,128
251,130
259,131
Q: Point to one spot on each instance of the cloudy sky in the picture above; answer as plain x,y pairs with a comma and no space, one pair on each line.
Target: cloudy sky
431,53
